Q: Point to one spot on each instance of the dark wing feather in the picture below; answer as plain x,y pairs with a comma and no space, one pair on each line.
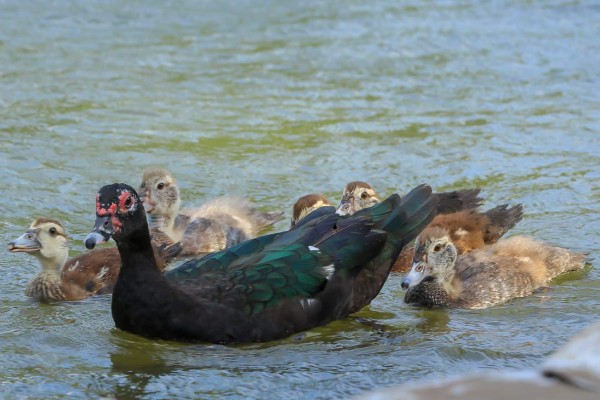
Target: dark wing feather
458,200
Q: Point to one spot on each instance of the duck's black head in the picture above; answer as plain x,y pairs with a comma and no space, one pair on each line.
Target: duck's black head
119,213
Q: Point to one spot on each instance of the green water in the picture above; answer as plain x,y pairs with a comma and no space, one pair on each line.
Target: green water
273,100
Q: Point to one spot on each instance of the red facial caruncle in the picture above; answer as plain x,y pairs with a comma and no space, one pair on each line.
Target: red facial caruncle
109,211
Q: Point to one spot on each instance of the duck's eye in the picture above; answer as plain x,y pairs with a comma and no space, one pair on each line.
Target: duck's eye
128,202
419,268
52,231
437,247
160,186
364,195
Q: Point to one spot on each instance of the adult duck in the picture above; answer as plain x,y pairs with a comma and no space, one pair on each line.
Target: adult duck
215,225
468,230
358,195
262,289
485,277
63,279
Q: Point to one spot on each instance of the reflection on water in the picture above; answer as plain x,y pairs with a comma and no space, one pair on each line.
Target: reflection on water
273,100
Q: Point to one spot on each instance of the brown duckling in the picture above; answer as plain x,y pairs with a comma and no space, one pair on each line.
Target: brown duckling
214,226
63,279
358,195
485,277
468,229
307,204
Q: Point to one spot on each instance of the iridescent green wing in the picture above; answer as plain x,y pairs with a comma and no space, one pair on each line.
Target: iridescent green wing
292,271
219,261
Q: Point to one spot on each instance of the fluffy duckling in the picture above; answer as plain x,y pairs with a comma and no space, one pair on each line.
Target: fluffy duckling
358,195
214,226
468,230
307,204
63,279
485,277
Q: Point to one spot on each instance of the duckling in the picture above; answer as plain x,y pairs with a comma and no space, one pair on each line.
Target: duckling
262,289
468,229
358,195
214,226
63,279
307,204
485,277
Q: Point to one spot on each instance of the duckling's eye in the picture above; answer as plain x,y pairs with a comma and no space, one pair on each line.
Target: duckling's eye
160,186
364,195
52,231
128,202
419,268
437,247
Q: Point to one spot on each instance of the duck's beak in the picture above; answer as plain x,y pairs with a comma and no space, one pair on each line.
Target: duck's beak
102,232
346,206
26,243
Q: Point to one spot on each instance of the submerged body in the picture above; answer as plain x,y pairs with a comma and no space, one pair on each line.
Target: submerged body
511,268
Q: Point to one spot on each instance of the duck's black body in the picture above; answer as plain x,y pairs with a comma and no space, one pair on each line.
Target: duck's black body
263,289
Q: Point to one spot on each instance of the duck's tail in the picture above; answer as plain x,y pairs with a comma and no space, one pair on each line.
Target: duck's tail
458,200
502,219
402,220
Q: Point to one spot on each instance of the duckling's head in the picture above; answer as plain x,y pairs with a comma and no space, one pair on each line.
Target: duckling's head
356,196
159,193
307,204
119,214
46,239
435,255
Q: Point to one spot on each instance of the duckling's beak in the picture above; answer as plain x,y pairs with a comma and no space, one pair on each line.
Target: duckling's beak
414,276
346,206
147,202
102,232
26,243
405,283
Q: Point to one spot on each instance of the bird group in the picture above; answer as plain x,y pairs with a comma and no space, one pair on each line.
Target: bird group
239,287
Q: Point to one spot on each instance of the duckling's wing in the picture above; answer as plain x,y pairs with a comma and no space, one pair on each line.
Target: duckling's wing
95,271
458,200
502,219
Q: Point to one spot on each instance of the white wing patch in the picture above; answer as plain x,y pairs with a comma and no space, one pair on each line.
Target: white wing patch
328,270
102,274
313,248
74,266
307,303
460,232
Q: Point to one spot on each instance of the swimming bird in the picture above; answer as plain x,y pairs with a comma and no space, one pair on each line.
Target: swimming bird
214,226
262,289
510,268
468,230
358,195
85,275
307,204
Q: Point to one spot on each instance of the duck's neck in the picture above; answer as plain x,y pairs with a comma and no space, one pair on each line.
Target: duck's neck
136,252
52,266
165,223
